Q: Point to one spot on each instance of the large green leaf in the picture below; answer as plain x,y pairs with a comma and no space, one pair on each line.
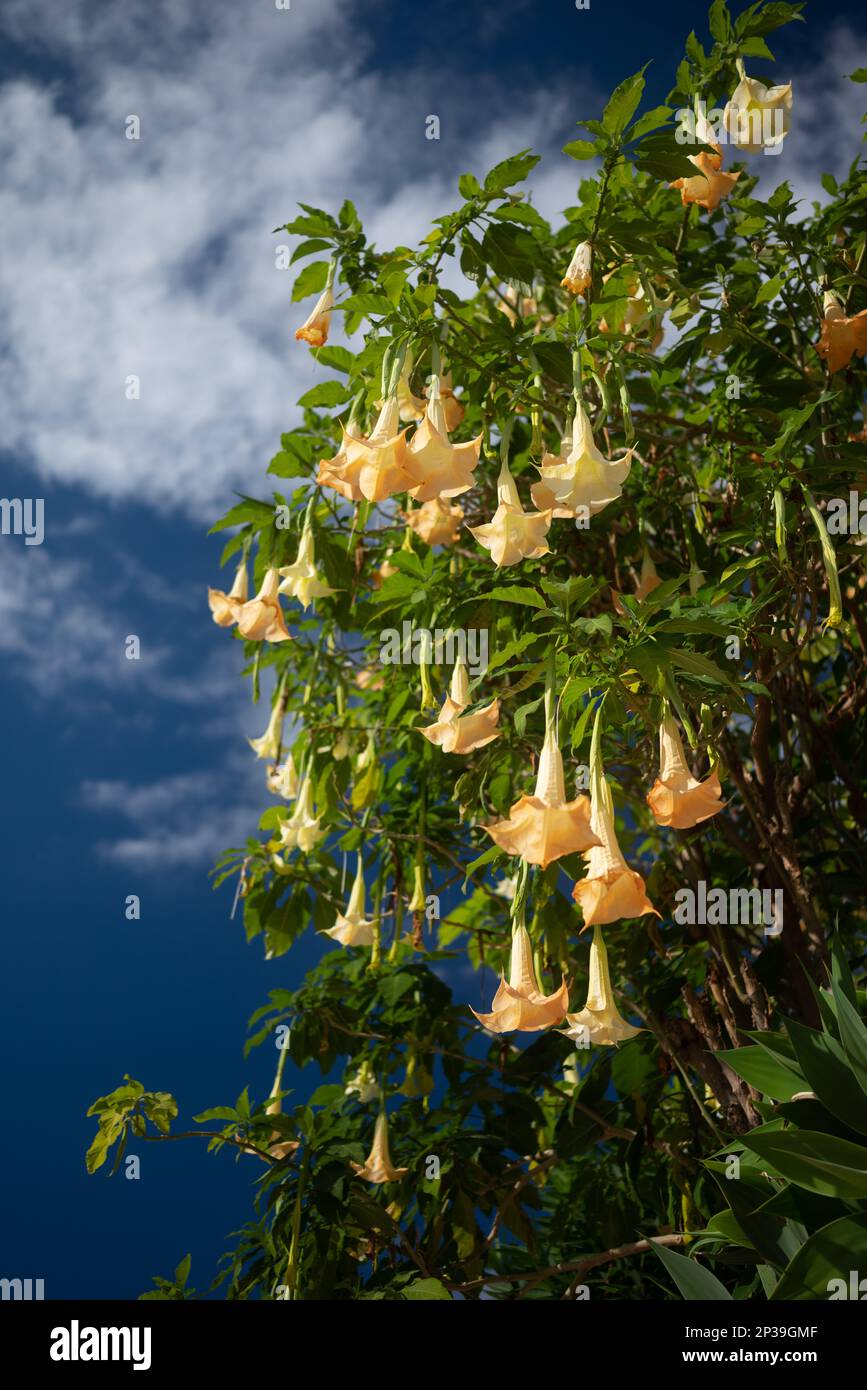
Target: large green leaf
829,1072
819,1162
770,1075
693,1280
828,1254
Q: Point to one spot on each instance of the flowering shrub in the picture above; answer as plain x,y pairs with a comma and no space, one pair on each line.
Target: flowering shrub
607,445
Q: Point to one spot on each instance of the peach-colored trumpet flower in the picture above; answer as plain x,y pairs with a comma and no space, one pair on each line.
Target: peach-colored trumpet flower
710,185
520,1005
268,746
301,830
610,890
677,798
513,534
261,619
841,336
545,826
283,780
300,580
453,409
352,928
314,330
435,522
757,117
378,1167
437,467
371,467
224,607
579,271
456,732
580,478
599,1021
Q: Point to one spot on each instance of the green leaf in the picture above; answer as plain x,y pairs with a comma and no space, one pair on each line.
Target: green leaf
510,254
828,1254
516,593
623,103
427,1289
311,280
651,120
719,20
340,358
819,1162
825,1065
853,1035
582,149
767,1073
469,186
769,290
859,75
326,393
693,1280
510,171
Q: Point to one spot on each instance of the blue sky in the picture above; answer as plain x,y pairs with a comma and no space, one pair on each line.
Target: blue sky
155,258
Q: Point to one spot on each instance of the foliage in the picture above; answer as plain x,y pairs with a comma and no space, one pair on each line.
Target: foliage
548,1161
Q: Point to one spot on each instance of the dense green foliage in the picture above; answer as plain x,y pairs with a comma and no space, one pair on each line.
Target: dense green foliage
755,636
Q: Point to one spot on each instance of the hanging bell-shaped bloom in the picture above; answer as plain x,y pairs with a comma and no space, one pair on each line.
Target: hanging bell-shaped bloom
314,330
545,826
410,406
283,780
648,580
841,336
370,467
452,409
757,117
436,522
378,1167
580,477
520,1005
456,732
611,889
301,830
362,1084
437,467
418,901
676,797
301,580
224,607
599,1020
261,619
579,272
513,534
351,927
268,746
710,185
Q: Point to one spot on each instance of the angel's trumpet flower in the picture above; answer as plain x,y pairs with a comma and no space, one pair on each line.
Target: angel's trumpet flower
757,117
268,746
378,1167
453,410
599,1021
435,522
545,826
456,732
580,478
513,534
371,467
676,797
362,1084
301,830
611,889
648,580
314,330
351,927
437,467
410,406
841,336
283,780
520,1005
261,619
709,185
301,580
579,271
224,607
